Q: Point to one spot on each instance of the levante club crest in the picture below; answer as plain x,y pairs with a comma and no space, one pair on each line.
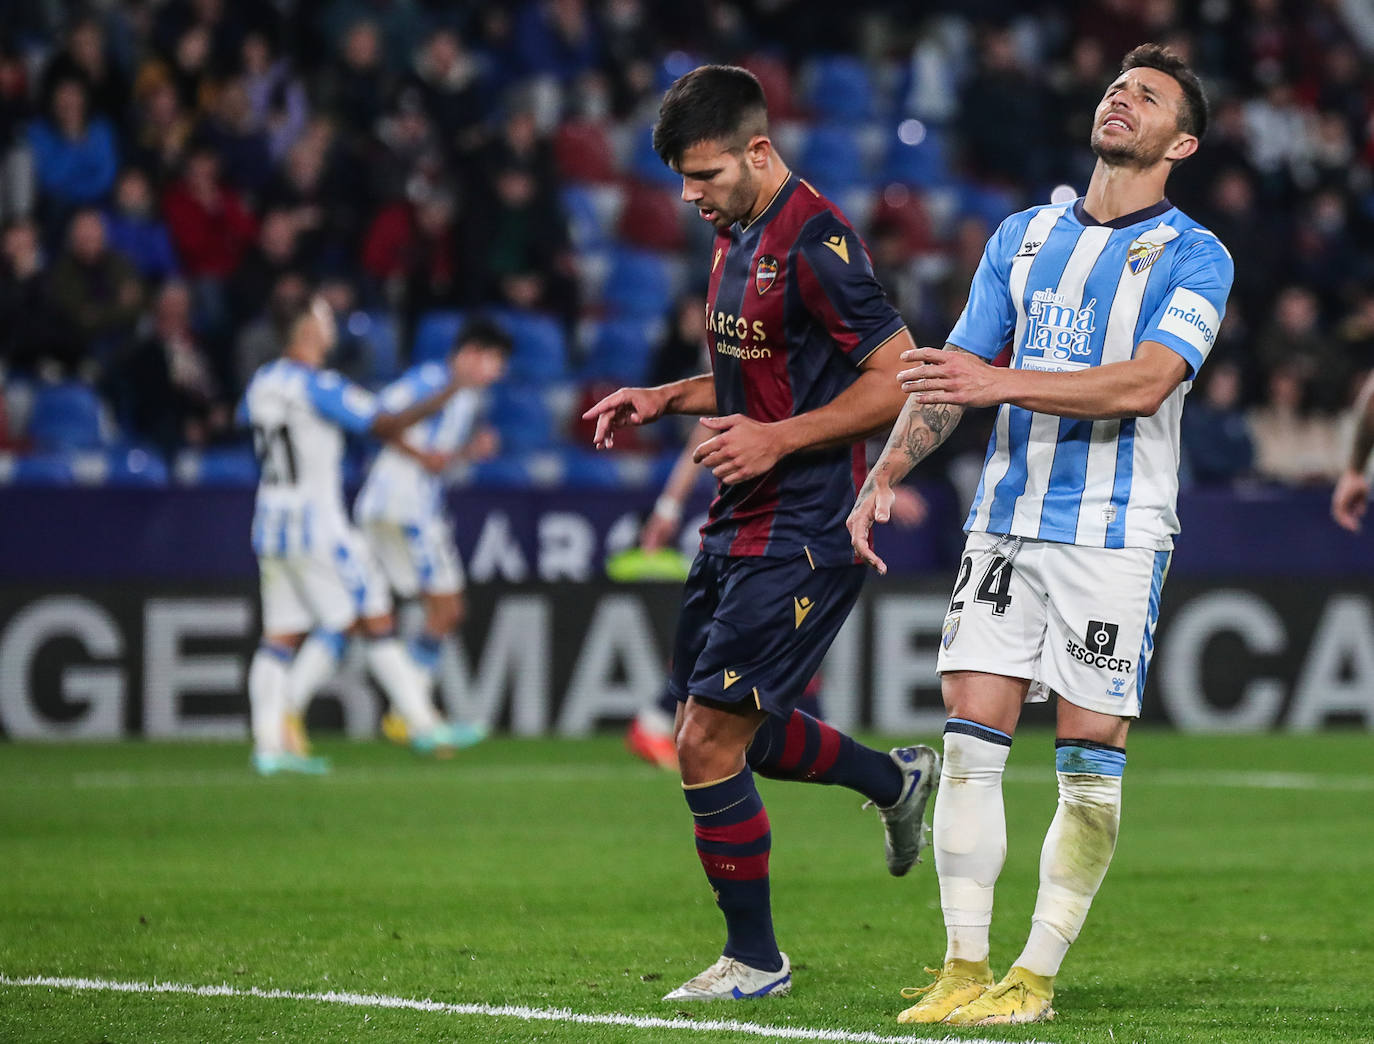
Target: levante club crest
766,273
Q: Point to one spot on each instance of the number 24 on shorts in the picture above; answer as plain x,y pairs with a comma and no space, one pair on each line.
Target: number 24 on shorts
993,589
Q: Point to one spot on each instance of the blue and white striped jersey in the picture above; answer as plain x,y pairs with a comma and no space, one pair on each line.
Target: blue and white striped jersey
1068,293
298,416
398,489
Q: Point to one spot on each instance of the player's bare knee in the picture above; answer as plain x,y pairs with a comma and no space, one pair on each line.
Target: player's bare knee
708,746
988,699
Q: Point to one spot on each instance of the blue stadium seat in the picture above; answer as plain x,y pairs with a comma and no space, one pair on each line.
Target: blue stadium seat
504,472
540,351
65,416
639,283
590,469
380,334
841,89
434,335
521,415
925,165
585,217
833,159
220,466
135,466
43,469
645,164
621,350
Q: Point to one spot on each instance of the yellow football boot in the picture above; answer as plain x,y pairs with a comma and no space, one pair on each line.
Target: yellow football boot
295,738
394,728
1022,996
956,984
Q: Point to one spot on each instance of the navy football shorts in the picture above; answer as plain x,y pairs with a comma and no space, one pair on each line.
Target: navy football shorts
753,631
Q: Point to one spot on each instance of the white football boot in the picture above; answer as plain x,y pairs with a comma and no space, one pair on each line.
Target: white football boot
905,832
728,979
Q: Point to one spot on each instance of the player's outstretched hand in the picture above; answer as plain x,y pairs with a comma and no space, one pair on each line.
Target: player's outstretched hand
743,449
1350,499
624,408
874,506
948,376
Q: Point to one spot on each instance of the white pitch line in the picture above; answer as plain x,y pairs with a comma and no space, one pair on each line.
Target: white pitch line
372,1000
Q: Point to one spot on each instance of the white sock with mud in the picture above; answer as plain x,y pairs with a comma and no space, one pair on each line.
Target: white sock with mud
405,685
970,833
1078,849
267,698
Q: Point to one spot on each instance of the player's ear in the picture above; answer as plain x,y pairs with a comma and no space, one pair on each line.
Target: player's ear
1183,147
758,150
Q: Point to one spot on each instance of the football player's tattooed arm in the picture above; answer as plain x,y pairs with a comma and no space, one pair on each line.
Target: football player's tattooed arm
919,431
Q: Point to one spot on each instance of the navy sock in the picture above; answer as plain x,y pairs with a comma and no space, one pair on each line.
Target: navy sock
802,748
667,702
733,842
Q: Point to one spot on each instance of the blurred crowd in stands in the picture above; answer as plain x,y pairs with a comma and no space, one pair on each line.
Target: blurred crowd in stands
176,176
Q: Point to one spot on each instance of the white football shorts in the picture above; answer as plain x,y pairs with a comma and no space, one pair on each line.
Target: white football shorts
328,590
417,558
1077,621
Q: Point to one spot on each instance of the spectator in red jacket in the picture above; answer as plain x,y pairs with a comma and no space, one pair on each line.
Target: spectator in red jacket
211,227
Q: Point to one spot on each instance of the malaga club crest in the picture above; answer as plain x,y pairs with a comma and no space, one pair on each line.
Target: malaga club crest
766,273
1142,255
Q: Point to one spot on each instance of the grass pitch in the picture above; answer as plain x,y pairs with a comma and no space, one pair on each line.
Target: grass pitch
558,874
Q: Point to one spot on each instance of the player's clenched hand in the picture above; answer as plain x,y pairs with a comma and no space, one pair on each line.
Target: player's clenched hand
944,376
1349,500
623,409
873,506
744,449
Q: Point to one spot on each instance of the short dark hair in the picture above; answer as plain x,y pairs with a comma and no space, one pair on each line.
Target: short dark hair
721,103
1192,116
485,333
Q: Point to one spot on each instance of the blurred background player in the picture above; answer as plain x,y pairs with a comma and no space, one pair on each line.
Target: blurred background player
799,379
314,567
400,507
1351,495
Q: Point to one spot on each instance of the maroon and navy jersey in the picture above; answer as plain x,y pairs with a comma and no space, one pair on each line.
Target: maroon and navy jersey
792,312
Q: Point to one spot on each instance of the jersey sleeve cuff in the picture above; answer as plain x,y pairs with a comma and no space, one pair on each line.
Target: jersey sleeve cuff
1178,346
873,342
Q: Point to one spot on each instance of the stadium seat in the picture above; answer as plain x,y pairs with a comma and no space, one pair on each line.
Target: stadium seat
135,466
645,164
540,352
380,334
833,159
42,469
503,472
620,350
219,466
591,469
582,150
924,165
65,416
593,212
638,284
434,335
776,81
840,89
522,417
652,218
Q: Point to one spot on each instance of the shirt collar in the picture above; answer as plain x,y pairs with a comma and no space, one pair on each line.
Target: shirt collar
1126,220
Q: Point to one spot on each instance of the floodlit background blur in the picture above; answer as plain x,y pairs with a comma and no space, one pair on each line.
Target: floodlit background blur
176,176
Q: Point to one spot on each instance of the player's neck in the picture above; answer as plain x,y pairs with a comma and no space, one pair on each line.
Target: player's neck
1116,191
769,185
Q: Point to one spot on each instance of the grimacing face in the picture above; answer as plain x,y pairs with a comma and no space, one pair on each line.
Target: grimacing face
1137,121
719,182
